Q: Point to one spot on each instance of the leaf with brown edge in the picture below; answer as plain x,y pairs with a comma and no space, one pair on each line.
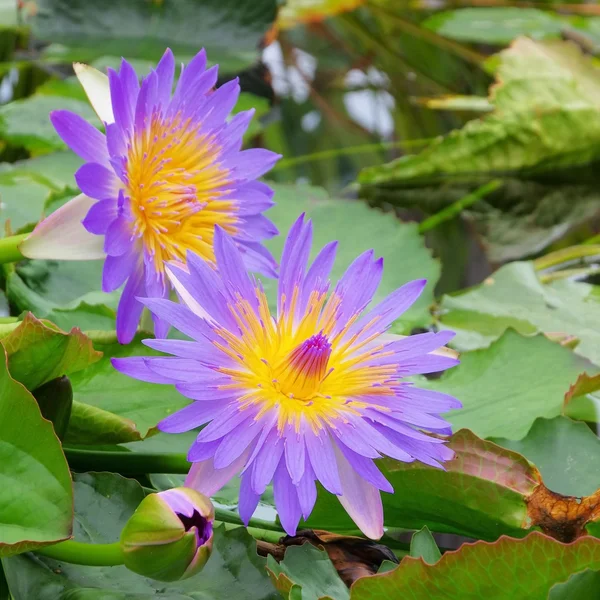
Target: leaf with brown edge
585,384
520,569
562,517
481,493
38,351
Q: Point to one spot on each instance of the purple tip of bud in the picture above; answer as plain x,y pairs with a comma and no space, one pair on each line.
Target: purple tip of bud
203,526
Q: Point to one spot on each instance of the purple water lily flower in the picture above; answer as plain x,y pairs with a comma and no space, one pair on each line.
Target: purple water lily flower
169,169
314,393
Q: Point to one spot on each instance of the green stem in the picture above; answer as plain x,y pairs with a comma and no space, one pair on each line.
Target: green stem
569,273
228,516
286,163
126,463
265,535
9,248
566,255
592,240
80,553
457,207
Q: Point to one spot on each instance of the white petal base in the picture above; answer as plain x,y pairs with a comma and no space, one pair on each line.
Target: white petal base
61,236
97,90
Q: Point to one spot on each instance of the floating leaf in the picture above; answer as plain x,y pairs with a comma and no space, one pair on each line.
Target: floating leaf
26,123
481,493
36,500
230,31
306,573
103,503
514,297
496,388
359,228
39,352
422,545
580,586
566,453
102,386
495,25
509,568
92,426
66,293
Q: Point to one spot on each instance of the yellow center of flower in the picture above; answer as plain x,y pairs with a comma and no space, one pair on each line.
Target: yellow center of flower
304,367
175,182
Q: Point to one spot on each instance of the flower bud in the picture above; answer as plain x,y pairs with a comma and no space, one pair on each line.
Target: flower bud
170,535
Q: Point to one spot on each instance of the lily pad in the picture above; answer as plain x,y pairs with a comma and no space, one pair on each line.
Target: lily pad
515,297
422,545
103,504
496,388
359,228
36,499
509,568
481,493
306,573
102,386
39,352
566,453
495,25
66,293
230,31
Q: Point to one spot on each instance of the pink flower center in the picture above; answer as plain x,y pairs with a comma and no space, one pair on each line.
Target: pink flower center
301,372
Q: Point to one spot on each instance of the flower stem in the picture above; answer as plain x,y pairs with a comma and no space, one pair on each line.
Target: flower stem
566,256
9,248
126,463
81,553
457,207
228,516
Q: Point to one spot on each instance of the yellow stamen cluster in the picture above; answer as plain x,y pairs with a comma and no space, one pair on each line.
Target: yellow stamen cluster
175,182
274,371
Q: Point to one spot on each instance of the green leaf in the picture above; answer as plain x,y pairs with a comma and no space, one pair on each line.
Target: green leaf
547,121
56,170
493,25
67,293
498,389
55,400
481,493
523,569
23,197
358,228
422,545
514,297
518,219
102,386
103,503
25,122
36,501
565,452
39,352
306,573
580,586
230,31
92,426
